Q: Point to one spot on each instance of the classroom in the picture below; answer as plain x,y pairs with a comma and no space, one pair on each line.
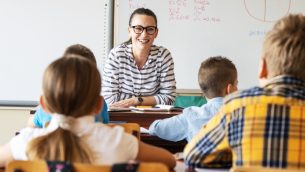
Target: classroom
34,33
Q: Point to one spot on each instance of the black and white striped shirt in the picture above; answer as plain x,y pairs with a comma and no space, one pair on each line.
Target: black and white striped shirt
122,79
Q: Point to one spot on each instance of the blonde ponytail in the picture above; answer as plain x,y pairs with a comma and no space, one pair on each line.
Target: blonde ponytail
60,145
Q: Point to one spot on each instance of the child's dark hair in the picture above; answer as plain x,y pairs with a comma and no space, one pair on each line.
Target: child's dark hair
215,74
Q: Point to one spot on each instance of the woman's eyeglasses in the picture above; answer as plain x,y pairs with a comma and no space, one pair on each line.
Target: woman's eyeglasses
138,29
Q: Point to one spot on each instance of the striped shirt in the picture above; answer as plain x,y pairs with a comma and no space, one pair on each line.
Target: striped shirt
122,79
258,127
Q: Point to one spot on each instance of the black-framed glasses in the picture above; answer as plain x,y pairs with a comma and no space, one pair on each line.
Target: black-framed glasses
138,29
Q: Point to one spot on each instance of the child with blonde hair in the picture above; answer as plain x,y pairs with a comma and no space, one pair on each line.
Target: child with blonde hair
262,126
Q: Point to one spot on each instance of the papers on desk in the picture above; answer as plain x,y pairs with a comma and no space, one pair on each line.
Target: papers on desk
170,108
148,109
157,108
144,130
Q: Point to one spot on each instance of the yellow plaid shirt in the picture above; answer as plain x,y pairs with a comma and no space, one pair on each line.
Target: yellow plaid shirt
256,127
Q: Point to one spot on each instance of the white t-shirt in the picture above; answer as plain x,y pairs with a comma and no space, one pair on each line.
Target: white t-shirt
109,145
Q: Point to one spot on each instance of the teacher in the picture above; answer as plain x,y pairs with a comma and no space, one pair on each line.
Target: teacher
138,72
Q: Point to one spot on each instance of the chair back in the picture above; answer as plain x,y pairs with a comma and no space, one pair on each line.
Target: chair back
131,128
262,169
41,166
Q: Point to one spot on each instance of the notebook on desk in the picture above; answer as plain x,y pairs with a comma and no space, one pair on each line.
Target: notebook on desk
157,108
144,130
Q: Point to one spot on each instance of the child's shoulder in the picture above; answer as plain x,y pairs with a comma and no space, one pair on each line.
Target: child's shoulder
251,92
29,133
106,130
114,135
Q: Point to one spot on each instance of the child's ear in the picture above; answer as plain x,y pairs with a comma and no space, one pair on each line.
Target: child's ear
263,69
230,88
99,105
43,105
263,73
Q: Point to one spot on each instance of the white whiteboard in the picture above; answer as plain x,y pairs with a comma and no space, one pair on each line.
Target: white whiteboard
35,32
196,29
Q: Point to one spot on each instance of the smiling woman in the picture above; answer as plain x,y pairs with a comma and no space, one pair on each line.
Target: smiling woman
138,72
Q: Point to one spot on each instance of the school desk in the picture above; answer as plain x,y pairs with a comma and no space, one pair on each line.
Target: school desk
173,147
144,119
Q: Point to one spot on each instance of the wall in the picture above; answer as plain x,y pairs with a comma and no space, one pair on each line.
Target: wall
196,29
11,121
34,33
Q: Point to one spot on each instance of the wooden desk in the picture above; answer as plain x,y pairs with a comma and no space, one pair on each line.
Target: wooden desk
173,147
144,119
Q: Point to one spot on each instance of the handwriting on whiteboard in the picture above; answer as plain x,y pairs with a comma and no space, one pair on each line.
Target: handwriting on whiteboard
183,10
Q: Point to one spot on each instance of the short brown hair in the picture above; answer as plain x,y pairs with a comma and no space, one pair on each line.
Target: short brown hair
215,74
284,47
81,50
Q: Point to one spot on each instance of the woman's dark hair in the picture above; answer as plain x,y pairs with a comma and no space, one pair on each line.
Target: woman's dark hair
141,11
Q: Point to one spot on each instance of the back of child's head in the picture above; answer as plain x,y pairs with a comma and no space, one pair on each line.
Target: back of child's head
81,50
215,73
284,47
71,88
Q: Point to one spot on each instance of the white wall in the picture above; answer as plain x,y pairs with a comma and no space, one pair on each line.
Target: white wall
33,33
194,30
11,121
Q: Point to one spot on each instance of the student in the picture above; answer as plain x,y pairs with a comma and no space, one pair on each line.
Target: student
71,93
40,117
217,77
138,72
262,126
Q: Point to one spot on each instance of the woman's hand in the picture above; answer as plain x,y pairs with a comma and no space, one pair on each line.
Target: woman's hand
126,103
